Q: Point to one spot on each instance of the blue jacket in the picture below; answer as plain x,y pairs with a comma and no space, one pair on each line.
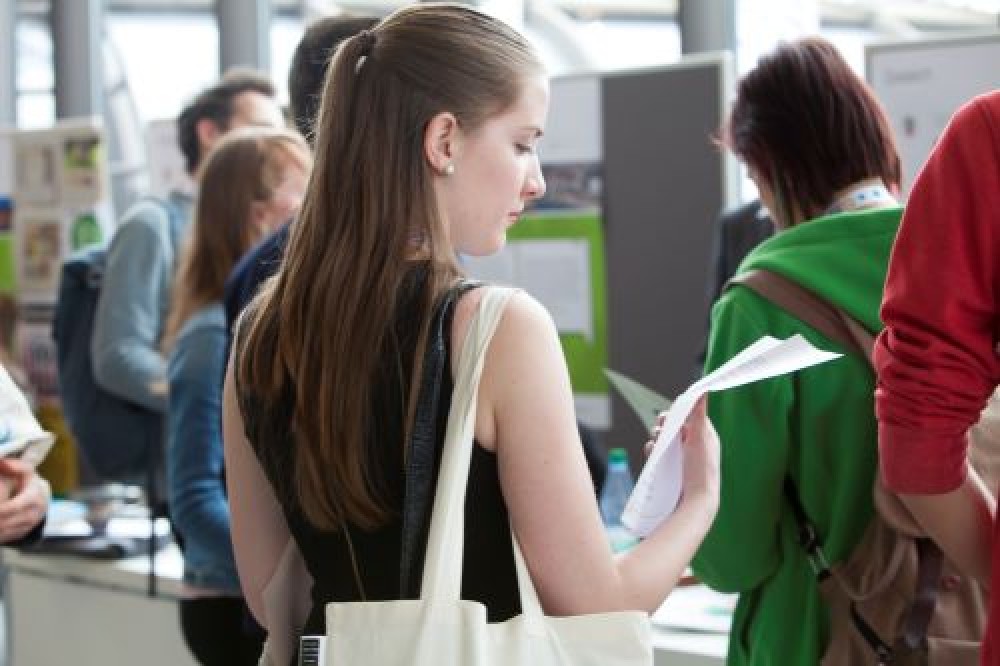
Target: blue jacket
252,270
195,486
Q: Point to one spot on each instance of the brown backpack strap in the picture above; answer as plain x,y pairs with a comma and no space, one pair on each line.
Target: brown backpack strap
845,330
930,565
805,305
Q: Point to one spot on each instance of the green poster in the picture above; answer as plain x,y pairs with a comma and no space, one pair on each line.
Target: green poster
6,263
6,246
587,350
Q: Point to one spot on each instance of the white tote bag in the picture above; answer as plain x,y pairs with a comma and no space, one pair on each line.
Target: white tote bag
440,629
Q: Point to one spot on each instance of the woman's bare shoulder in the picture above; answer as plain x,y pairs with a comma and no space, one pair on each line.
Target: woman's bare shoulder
524,319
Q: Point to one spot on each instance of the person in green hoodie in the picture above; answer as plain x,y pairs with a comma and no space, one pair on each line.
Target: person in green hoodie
819,147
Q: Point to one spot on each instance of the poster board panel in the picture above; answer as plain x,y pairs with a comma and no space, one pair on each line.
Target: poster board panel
665,184
922,83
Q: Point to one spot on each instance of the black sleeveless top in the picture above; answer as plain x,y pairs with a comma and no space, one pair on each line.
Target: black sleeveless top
489,574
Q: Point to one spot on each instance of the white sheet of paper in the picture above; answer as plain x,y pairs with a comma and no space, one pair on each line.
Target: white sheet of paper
20,433
557,273
659,486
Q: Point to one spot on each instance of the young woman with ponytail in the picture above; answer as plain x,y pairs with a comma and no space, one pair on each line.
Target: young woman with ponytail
426,147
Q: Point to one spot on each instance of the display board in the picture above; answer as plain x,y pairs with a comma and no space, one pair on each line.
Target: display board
6,219
665,184
167,172
61,202
557,251
8,297
558,257
922,83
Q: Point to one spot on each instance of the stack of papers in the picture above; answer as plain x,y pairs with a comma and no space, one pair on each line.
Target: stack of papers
20,434
658,489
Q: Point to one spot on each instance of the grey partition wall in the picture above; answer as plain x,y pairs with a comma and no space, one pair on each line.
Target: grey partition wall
665,183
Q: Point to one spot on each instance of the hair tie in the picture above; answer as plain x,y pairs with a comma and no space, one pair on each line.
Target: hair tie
367,38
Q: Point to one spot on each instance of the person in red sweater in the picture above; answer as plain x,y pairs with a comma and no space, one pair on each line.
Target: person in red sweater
938,359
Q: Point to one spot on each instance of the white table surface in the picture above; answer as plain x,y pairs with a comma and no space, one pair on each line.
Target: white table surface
63,609
692,627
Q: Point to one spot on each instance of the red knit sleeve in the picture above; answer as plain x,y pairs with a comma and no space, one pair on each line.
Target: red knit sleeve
937,358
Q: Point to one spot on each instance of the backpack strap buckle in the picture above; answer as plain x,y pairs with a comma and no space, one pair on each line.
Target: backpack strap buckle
809,540
806,533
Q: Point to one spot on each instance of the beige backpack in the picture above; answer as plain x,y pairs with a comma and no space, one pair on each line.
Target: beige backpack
895,599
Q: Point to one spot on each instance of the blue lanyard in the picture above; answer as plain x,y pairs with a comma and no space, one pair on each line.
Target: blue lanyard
865,196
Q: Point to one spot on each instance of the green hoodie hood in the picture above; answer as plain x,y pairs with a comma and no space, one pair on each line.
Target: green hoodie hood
842,258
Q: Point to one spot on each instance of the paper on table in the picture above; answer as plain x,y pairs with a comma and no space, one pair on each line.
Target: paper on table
696,608
659,486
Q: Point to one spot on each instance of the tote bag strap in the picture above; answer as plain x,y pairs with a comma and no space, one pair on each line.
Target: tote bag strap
442,575
531,607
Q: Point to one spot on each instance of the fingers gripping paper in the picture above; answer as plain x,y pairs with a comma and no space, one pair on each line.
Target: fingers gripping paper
658,489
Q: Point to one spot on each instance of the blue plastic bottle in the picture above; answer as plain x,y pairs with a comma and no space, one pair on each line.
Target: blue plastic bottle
617,487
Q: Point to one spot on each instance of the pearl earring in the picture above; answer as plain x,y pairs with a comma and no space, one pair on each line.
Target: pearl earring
449,170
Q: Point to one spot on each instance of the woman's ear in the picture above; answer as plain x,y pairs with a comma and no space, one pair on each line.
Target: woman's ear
441,141
208,134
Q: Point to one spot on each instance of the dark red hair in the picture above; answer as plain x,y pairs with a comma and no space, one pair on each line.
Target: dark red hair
808,125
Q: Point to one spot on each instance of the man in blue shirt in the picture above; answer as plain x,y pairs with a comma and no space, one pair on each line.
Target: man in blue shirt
135,293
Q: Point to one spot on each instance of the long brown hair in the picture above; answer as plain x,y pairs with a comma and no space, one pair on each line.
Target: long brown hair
245,167
810,127
321,322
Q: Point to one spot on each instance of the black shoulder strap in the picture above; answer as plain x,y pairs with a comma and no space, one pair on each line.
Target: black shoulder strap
807,534
421,448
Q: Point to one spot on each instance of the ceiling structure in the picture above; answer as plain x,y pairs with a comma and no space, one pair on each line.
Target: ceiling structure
921,15
562,20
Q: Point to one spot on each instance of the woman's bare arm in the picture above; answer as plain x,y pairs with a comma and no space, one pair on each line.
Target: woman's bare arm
526,415
961,523
260,533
